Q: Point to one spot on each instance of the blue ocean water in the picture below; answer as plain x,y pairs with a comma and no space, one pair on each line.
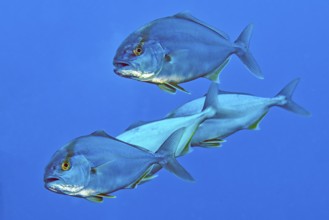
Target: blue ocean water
57,83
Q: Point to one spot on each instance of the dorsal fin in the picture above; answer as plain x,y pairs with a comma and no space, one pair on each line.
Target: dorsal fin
136,124
188,16
100,133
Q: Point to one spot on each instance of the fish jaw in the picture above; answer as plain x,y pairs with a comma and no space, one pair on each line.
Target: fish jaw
51,183
58,185
129,70
122,67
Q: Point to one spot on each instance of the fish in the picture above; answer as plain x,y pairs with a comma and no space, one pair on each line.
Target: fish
237,111
96,165
160,130
180,48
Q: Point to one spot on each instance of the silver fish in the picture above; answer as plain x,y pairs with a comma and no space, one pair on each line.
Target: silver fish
237,111
94,166
160,130
178,49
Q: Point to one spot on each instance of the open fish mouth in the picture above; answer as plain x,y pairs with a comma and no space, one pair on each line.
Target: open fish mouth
50,180
50,183
120,67
119,64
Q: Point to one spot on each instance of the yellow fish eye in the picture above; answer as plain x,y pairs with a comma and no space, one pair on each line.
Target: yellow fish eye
138,50
66,165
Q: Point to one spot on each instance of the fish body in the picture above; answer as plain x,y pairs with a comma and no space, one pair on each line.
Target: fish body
96,165
160,130
237,111
178,49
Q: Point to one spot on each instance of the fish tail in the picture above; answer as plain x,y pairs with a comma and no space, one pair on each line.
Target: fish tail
167,154
243,52
290,105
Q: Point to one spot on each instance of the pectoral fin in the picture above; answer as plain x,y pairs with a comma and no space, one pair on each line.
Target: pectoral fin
255,125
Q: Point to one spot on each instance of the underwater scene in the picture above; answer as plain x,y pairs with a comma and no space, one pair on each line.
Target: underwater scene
164,110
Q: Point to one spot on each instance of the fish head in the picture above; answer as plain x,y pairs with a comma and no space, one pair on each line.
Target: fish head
67,173
139,58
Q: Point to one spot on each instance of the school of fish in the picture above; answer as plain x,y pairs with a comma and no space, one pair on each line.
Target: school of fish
166,52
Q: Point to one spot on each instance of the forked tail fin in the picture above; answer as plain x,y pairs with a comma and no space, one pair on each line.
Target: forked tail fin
290,105
167,153
243,52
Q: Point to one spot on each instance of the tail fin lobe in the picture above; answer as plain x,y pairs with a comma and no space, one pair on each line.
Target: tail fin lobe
242,44
290,105
167,153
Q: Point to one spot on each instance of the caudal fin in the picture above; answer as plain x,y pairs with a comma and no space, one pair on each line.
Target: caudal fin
242,45
167,152
290,105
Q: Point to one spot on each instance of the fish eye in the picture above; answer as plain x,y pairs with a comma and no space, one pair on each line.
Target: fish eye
66,165
138,50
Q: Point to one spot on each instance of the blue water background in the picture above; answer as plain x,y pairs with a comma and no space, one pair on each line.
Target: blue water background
57,83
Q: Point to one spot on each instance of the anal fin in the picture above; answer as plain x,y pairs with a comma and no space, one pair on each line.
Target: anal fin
134,185
147,178
214,76
255,125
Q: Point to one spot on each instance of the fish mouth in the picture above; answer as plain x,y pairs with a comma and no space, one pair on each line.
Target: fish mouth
50,183
120,64
122,67
50,180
